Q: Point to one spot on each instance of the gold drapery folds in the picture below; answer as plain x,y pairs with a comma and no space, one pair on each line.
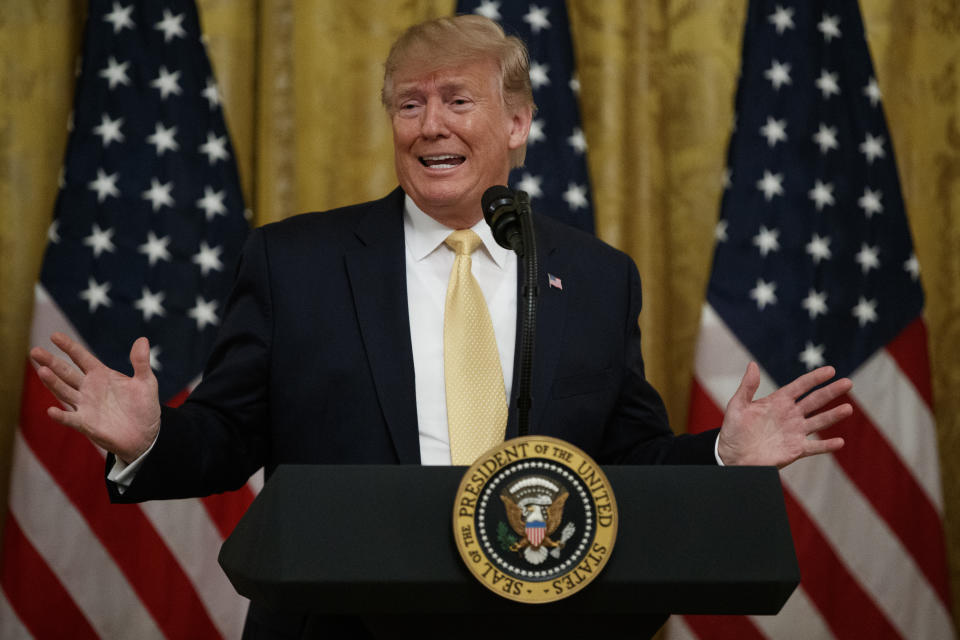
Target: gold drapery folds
300,81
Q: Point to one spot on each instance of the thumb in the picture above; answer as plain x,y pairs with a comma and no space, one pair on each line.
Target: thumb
140,358
748,386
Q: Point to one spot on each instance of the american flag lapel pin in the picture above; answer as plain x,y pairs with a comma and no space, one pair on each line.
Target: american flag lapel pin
554,282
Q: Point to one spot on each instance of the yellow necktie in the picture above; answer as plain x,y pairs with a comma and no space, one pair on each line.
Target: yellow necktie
476,400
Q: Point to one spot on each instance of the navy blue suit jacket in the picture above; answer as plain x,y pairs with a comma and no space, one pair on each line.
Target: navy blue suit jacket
313,361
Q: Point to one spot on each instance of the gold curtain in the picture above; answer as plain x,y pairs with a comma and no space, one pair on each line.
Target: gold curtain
301,79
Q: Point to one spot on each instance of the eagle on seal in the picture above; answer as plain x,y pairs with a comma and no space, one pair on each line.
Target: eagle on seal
534,517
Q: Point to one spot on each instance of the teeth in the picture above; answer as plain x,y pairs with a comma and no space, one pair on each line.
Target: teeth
435,158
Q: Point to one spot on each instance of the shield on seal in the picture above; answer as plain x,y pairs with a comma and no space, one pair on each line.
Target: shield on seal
535,531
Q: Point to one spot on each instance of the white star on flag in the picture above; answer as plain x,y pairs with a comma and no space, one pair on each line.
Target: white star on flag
115,72
771,184
167,83
912,266
489,9
865,311
822,194
872,91
868,258
155,357
536,132
819,248
764,293
829,26
827,83
774,131
215,148
767,240
812,356
109,130
155,248
100,240
163,138
778,74
120,17
538,74
96,294
577,140
159,195
208,258
576,196
105,185
212,203
870,202
815,303
531,184
171,25
212,93
150,304
720,231
782,19
537,18
204,312
872,148
826,138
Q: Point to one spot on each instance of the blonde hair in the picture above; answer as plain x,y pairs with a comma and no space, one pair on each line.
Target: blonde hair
451,41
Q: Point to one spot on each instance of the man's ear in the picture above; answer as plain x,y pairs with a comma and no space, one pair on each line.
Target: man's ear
520,126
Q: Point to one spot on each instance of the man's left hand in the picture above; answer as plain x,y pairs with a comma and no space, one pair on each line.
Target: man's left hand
774,430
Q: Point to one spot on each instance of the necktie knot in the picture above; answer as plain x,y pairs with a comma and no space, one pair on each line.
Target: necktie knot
463,241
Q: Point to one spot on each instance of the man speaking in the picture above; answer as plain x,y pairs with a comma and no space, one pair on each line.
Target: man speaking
385,332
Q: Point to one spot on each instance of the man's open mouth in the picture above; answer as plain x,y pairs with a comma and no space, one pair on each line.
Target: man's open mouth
445,161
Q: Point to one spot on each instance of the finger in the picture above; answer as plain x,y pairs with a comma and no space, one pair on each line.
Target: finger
808,381
67,395
829,418
63,369
748,387
77,353
824,396
140,358
67,418
816,447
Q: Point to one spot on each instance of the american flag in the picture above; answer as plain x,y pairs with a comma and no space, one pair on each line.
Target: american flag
148,221
555,171
814,265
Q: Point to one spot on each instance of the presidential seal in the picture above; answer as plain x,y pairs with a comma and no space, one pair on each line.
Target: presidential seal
535,519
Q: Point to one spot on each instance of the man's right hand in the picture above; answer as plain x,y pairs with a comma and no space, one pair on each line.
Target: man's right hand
116,412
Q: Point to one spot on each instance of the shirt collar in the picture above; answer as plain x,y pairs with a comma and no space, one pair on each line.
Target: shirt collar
424,234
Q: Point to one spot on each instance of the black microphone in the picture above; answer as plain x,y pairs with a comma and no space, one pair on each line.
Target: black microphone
500,211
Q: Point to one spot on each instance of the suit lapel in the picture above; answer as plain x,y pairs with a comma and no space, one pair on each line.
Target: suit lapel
377,275
551,311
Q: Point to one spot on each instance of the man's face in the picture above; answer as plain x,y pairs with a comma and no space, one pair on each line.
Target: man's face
452,136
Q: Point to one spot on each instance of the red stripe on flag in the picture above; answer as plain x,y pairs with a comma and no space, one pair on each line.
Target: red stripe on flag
704,413
846,608
24,574
876,469
224,509
909,350
723,627
126,533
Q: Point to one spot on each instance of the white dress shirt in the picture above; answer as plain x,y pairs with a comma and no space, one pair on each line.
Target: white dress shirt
429,262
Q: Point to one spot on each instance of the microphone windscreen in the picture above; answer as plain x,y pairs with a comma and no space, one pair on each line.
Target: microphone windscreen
494,198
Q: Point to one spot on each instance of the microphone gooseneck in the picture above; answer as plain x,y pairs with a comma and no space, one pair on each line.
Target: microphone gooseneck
510,219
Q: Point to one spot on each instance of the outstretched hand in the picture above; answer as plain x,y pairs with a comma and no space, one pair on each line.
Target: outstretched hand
773,430
116,412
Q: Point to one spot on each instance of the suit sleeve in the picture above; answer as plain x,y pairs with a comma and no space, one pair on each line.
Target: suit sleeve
219,437
639,431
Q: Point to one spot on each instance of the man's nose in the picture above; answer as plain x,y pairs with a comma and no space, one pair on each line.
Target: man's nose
434,124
